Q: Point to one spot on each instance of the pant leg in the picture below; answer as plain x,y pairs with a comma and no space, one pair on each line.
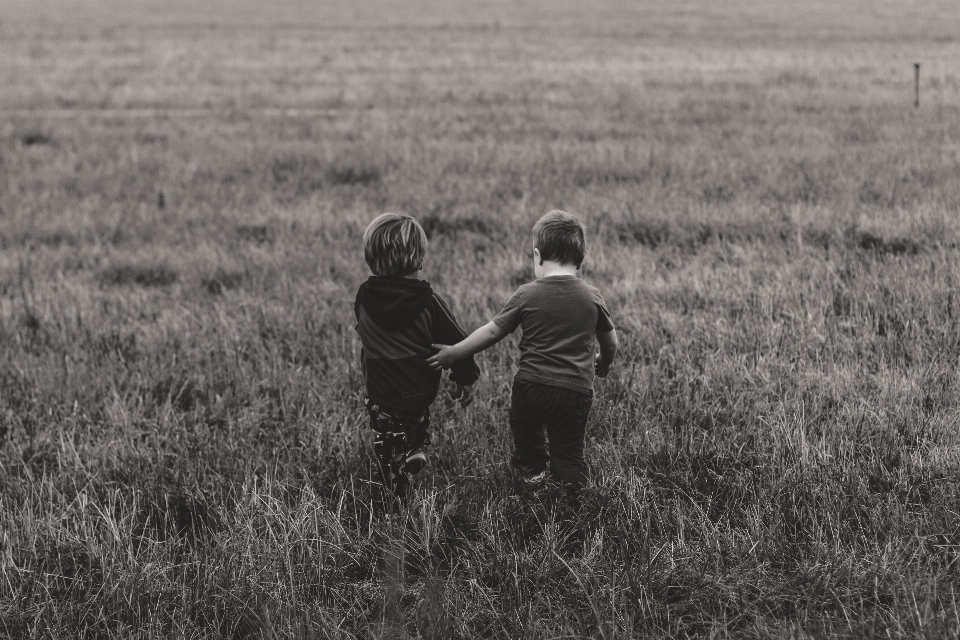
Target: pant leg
389,449
566,429
417,429
389,445
527,417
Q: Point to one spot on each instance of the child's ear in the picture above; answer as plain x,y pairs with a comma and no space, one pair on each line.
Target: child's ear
536,256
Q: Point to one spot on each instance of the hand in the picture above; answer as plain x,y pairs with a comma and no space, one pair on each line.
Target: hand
443,359
464,395
600,367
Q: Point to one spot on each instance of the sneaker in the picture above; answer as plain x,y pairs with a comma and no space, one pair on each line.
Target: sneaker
416,460
539,478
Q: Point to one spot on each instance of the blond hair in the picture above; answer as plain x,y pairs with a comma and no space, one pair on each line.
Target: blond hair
394,244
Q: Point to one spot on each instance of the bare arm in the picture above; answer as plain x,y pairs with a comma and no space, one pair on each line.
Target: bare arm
609,343
483,338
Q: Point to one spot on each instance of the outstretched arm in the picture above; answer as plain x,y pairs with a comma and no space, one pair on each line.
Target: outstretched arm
484,337
609,343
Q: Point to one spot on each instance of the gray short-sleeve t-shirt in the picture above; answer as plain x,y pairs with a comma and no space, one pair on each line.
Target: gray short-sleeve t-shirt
560,317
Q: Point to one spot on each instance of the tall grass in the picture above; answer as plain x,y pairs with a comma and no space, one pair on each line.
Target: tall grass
182,446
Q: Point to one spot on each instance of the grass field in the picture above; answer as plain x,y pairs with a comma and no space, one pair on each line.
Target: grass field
183,189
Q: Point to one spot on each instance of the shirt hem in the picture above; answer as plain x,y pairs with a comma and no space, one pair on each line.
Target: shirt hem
550,382
400,407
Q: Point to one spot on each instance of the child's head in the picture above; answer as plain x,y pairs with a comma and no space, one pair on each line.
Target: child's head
394,245
559,237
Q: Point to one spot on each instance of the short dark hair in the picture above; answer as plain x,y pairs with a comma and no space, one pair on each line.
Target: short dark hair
394,244
560,237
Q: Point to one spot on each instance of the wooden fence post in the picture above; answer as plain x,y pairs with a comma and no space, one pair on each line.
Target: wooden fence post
916,85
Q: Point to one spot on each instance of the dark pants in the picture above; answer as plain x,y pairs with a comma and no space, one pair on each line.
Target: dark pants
539,409
395,434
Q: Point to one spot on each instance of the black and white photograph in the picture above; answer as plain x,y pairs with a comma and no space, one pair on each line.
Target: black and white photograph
454,319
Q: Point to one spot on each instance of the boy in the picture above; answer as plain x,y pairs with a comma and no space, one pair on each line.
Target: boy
399,317
560,315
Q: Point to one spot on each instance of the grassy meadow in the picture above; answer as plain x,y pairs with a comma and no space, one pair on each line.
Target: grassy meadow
183,189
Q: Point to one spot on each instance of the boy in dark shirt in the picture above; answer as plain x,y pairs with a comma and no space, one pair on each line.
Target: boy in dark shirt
560,316
399,317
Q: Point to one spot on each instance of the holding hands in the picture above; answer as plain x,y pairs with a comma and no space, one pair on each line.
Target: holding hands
486,336
444,358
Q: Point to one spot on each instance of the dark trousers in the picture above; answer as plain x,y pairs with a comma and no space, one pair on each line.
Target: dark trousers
395,434
560,414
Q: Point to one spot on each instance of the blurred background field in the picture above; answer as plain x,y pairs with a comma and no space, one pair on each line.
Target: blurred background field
183,189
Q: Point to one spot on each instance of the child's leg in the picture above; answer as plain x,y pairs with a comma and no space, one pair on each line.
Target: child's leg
527,413
567,428
389,445
417,429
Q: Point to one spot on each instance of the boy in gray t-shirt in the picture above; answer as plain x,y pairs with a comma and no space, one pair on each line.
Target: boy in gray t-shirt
553,389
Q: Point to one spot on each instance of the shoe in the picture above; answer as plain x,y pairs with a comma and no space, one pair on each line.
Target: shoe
539,478
416,460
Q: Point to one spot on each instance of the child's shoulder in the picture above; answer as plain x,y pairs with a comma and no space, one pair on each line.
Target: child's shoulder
439,301
549,293
560,287
580,294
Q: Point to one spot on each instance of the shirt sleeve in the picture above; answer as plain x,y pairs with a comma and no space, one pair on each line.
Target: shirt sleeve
604,321
447,330
512,313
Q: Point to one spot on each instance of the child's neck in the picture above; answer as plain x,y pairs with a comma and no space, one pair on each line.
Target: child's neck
549,269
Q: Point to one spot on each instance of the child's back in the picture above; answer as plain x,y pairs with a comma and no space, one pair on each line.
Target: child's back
398,318
560,317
